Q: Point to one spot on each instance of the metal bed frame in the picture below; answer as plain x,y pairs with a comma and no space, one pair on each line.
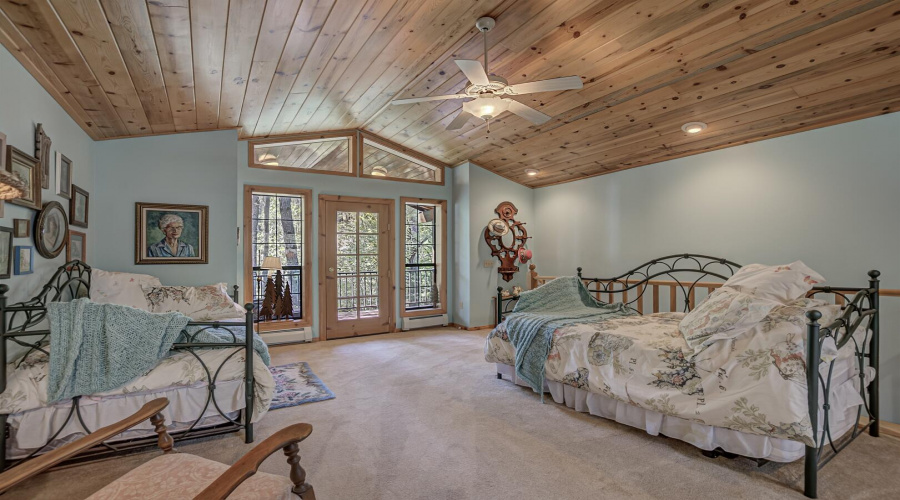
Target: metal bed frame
72,280
860,309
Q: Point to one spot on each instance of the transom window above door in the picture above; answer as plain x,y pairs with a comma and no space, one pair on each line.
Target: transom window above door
326,153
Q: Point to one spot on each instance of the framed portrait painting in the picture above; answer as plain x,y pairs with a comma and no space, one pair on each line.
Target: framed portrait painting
6,252
77,249
171,234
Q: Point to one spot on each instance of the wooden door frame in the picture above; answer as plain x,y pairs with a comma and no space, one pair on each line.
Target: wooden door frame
306,304
392,285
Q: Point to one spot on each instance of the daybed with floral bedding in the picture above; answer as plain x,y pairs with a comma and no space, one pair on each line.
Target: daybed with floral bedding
728,374
213,385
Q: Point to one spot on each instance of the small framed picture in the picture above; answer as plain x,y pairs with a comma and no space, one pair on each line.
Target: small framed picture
171,234
24,255
78,207
42,153
63,175
22,228
27,168
6,252
77,249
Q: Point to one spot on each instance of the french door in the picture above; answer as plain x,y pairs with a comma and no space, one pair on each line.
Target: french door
356,249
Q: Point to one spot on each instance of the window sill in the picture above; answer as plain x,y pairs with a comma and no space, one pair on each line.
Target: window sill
279,325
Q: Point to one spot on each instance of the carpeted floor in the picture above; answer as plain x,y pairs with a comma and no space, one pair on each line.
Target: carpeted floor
422,416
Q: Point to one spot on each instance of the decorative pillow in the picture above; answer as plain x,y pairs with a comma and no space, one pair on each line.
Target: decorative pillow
121,288
780,283
201,303
725,314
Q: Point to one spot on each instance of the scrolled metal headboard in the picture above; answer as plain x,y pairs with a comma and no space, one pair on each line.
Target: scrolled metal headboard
697,267
686,272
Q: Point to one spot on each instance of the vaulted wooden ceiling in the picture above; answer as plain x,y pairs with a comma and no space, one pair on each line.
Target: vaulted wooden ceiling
751,69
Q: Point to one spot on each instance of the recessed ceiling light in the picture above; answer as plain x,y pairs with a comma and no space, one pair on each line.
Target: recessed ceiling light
694,127
531,172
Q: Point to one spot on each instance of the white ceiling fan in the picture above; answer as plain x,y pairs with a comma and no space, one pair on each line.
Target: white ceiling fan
486,90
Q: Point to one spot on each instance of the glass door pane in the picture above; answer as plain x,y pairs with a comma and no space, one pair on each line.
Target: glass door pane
357,269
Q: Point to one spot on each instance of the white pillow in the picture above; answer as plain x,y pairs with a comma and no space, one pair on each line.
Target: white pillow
200,303
780,283
725,314
121,288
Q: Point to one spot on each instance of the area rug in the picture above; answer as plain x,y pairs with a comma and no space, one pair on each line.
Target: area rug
296,384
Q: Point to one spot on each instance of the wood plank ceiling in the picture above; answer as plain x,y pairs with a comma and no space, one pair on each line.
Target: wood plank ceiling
751,69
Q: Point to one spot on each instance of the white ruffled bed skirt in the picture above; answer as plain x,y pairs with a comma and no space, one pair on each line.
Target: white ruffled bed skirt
845,400
31,429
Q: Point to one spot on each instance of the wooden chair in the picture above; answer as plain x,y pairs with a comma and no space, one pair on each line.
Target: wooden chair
176,475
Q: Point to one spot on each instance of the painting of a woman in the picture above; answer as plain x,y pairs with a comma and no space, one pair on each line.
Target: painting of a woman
171,234
171,245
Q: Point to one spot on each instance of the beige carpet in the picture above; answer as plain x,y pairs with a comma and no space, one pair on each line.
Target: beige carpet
422,416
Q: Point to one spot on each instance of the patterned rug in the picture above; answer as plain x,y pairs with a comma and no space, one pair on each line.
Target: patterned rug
296,384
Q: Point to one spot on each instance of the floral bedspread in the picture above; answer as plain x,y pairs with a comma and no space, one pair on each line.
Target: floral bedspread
26,385
754,383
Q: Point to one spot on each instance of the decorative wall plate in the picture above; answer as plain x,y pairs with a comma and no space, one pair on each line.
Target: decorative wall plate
51,230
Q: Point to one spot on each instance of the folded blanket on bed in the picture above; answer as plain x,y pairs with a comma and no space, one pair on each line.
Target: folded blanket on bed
99,347
540,312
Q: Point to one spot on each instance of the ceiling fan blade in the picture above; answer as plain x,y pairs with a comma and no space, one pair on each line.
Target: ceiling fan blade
474,71
564,83
529,114
460,120
428,98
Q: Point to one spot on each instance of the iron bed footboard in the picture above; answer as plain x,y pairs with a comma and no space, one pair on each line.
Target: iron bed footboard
19,324
858,324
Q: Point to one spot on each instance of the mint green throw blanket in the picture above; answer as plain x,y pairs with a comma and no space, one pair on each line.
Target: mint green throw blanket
540,312
99,347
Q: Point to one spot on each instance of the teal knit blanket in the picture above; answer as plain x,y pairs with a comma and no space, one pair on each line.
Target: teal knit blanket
540,312
99,347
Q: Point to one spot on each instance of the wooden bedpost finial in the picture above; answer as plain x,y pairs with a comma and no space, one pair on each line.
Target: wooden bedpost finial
165,441
813,316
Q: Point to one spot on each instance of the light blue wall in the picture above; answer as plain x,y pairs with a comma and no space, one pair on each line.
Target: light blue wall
460,239
828,197
24,104
477,193
348,186
195,169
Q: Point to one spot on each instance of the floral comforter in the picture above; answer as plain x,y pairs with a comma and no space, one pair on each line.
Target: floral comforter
26,382
754,383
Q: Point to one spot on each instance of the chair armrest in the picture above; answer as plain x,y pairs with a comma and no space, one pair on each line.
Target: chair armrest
286,439
43,462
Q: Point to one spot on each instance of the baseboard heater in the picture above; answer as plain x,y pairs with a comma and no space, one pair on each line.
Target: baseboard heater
290,336
424,321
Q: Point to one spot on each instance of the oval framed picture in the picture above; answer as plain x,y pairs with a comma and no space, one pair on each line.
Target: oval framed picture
51,230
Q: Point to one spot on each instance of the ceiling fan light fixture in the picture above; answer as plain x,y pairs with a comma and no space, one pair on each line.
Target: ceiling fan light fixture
486,107
530,172
693,127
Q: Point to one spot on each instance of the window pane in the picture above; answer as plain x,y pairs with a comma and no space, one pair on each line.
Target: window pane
276,230
382,161
329,155
420,256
